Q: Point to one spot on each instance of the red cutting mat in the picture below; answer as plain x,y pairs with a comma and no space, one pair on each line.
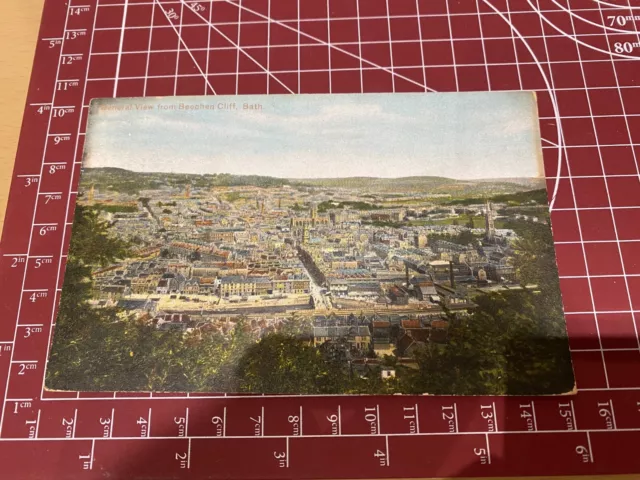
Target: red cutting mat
581,56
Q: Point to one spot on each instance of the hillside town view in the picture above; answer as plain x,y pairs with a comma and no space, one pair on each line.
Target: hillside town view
356,261
228,282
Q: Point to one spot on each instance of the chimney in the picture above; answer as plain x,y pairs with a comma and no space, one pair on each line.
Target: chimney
406,272
451,278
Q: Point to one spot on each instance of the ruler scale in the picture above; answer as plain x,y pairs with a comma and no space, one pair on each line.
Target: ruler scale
580,56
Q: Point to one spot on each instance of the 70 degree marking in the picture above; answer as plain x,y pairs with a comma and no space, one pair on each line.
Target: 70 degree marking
622,20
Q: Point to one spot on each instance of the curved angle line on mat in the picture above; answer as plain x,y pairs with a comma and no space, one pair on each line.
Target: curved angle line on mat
554,103
327,44
575,39
120,48
157,2
604,27
240,49
558,174
553,144
613,5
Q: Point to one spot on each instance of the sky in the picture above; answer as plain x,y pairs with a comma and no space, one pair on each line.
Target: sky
456,135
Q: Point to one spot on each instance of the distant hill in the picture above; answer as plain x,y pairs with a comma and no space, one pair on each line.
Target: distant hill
130,182
375,183
427,184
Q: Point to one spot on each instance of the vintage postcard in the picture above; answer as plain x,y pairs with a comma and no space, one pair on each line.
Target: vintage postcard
315,244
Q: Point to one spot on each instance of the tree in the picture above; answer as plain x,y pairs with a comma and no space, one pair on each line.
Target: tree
281,364
513,342
98,349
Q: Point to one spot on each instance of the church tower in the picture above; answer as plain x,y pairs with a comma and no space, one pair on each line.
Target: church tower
489,227
91,195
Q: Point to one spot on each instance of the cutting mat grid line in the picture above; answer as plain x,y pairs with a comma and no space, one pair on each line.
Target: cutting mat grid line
581,58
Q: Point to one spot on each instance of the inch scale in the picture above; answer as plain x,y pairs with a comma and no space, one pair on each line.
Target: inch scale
70,435
376,436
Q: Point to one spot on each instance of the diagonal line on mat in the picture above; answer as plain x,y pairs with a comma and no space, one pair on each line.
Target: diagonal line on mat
322,42
157,2
240,49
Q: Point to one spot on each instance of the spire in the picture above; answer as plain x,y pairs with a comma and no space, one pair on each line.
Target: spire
488,221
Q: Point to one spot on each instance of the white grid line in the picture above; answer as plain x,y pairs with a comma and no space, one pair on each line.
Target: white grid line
122,31
299,46
267,79
33,221
209,32
420,39
611,209
238,51
578,220
453,50
518,65
321,42
361,65
146,71
515,48
482,42
393,78
69,205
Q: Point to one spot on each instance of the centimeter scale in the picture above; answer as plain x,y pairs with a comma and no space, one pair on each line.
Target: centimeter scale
581,56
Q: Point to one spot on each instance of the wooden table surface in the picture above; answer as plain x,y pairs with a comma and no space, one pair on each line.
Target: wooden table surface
19,24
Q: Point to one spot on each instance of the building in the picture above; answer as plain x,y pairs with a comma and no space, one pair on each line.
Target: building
143,286
358,337
225,235
192,285
423,287
420,240
245,286
381,337
338,217
412,340
312,220
172,321
398,296
490,229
